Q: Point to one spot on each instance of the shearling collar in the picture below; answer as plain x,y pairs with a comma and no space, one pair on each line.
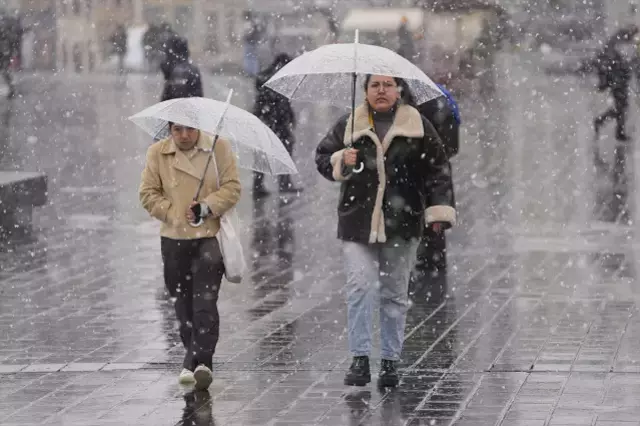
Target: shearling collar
406,123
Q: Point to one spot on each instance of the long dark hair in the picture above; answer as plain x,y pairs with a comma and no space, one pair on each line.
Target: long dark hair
405,93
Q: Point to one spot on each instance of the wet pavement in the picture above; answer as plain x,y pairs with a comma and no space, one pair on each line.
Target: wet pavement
538,326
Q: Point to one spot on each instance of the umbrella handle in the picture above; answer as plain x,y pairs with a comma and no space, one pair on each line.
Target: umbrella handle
196,224
359,169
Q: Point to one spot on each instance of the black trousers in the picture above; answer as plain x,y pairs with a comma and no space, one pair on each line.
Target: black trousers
193,271
617,112
428,278
284,181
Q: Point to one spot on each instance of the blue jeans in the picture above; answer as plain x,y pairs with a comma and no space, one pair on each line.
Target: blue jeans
378,273
251,65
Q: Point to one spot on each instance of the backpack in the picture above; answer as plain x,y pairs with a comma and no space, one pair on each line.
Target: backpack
452,103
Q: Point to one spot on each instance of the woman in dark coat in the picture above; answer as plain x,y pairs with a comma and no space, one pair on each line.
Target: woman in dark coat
395,178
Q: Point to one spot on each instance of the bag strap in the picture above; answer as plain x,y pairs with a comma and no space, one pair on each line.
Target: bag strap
215,168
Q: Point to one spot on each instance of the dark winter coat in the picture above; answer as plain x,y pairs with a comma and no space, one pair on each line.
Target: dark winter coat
405,182
272,108
406,45
182,77
119,41
441,115
614,71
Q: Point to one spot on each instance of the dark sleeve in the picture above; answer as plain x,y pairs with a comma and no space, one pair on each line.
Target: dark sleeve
449,131
437,178
291,115
441,116
166,67
196,84
329,152
166,95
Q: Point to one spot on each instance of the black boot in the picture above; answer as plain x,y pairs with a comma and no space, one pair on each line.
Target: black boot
597,123
286,186
359,373
388,377
259,190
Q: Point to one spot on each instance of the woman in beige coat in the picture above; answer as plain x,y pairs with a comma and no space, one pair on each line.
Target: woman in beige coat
193,266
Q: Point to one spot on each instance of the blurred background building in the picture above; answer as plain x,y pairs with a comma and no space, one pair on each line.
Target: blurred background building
74,35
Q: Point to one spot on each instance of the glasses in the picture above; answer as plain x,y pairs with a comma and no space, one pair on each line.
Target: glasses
384,86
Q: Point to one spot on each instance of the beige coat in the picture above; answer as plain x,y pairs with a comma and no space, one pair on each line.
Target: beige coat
170,181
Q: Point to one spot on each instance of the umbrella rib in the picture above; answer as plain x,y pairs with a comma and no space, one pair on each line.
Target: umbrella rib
298,86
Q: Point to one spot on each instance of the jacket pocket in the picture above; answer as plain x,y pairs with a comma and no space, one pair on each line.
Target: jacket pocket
350,200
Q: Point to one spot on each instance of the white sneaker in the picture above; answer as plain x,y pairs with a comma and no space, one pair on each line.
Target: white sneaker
186,377
203,377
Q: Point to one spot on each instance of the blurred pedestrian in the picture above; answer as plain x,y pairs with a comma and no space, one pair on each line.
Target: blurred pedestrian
253,34
10,44
119,44
394,178
276,112
614,74
182,76
154,41
407,48
193,264
431,264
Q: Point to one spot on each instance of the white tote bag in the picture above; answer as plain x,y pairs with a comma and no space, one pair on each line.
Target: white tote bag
232,254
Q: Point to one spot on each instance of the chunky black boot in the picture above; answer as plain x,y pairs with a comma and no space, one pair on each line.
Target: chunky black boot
359,373
388,377
286,186
259,190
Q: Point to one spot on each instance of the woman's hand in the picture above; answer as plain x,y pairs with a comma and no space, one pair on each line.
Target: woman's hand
350,157
438,227
191,216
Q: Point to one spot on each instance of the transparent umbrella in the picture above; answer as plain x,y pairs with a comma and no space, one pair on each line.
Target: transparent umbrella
256,146
330,74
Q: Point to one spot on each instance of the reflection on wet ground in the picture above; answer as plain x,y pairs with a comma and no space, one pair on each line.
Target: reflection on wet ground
535,322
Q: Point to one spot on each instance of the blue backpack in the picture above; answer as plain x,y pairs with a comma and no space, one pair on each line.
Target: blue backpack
452,103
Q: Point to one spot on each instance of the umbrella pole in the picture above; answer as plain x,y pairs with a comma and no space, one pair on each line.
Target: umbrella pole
353,104
353,83
353,96
206,167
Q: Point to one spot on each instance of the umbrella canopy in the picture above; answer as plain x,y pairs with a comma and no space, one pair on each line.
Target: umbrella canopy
326,74
257,147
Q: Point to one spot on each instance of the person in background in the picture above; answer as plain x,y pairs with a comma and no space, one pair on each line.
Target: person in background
182,76
614,73
253,33
119,43
276,112
431,265
406,44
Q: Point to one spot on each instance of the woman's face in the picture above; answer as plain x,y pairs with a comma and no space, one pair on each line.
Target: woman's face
185,137
382,93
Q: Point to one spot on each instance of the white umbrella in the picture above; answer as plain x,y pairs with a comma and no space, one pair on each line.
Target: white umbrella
256,146
330,73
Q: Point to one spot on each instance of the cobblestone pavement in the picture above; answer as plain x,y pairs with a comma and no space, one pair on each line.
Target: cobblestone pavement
537,327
